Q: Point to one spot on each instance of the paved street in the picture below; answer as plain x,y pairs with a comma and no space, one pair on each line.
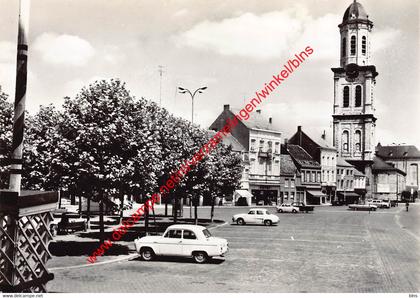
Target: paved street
331,250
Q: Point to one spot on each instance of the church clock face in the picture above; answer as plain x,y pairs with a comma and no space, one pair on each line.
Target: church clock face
352,71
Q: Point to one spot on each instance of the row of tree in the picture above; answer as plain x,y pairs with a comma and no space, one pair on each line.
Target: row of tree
105,142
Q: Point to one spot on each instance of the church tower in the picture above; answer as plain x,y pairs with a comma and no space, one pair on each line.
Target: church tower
354,81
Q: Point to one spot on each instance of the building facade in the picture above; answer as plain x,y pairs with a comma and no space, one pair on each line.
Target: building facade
309,191
407,159
388,180
261,145
324,154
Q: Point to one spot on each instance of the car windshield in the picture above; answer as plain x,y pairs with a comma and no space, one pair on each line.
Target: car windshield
206,233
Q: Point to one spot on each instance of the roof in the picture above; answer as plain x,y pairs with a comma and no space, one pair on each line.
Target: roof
253,209
230,140
341,162
243,193
255,121
397,151
379,165
355,11
301,156
287,165
192,227
356,172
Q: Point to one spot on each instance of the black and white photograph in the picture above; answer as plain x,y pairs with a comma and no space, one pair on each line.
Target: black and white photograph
193,147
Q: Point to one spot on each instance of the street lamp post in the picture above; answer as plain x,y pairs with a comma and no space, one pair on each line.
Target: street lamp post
192,94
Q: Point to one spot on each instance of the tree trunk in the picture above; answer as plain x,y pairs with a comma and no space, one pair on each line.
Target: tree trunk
166,206
101,218
196,211
72,199
80,205
212,209
88,211
121,206
175,209
146,217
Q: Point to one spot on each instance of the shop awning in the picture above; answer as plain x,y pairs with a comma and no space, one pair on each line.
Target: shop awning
349,194
243,193
316,193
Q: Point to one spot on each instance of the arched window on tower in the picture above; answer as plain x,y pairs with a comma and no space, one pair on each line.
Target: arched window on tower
345,141
353,45
363,45
357,140
358,99
343,47
346,96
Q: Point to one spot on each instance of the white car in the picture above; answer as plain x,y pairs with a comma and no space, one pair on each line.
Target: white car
366,207
379,203
182,240
287,208
256,216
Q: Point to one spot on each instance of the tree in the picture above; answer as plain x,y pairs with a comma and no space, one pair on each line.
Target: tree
6,132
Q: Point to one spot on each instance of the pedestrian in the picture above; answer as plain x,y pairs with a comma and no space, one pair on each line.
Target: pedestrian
406,205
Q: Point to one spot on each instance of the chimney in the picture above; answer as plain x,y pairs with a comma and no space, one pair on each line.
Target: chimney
323,135
286,140
270,120
226,107
299,128
258,111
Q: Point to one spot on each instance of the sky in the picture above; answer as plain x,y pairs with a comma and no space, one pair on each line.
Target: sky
232,47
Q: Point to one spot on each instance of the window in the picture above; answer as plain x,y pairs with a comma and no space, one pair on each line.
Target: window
259,212
277,146
413,174
261,145
174,234
308,176
313,177
269,143
357,140
303,176
207,233
251,212
345,141
292,183
189,234
358,99
252,144
353,45
346,97
343,47
319,176
363,45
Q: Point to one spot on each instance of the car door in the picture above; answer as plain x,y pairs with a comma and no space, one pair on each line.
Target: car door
251,217
171,243
260,216
287,208
190,243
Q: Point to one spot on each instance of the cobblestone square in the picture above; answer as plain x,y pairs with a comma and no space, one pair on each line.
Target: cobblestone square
330,250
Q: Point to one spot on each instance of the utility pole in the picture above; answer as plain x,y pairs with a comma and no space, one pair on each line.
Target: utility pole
161,71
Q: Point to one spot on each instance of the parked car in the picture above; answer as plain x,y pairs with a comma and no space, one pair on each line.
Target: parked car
365,207
256,216
379,203
303,207
67,225
285,207
182,240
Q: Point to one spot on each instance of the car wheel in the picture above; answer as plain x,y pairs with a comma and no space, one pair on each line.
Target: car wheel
281,210
200,257
294,211
240,221
147,254
268,222
372,209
